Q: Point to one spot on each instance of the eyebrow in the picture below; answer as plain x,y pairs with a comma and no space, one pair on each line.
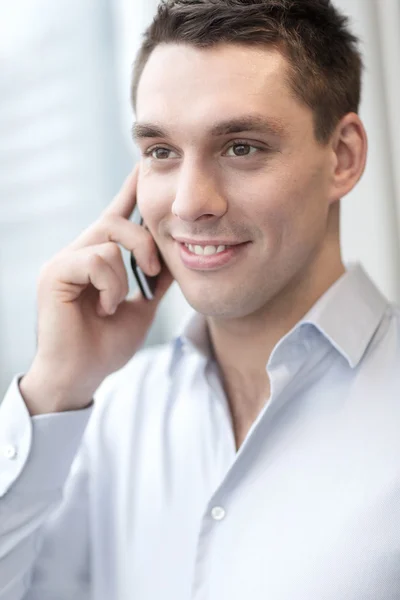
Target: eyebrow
248,123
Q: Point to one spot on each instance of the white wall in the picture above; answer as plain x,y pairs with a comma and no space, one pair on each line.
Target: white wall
370,226
62,155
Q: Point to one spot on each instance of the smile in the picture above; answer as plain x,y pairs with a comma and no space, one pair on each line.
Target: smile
208,257
205,250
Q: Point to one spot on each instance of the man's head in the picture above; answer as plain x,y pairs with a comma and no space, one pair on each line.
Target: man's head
249,135
324,65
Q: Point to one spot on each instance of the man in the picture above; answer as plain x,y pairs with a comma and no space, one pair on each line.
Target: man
256,456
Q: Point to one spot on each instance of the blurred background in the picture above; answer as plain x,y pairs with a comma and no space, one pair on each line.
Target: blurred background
65,146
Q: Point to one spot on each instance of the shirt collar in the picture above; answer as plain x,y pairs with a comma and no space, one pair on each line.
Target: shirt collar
347,315
194,336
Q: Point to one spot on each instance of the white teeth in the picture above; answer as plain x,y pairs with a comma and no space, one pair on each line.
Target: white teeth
205,251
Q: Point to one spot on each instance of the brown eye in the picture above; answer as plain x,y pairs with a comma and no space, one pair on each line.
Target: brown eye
241,150
160,153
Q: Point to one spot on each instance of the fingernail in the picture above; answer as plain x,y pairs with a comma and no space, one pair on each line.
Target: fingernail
155,265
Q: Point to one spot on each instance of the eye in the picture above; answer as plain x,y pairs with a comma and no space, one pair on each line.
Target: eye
160,153
241,149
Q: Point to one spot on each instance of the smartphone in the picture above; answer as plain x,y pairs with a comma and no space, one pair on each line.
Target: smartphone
147,284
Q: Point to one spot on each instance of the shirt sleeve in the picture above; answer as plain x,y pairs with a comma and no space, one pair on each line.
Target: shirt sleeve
44,521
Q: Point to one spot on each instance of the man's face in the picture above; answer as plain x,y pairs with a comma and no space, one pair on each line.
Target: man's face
229,159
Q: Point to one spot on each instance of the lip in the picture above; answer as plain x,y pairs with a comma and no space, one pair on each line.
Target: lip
214,262
213,242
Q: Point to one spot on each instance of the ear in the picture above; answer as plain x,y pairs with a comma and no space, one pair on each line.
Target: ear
349,146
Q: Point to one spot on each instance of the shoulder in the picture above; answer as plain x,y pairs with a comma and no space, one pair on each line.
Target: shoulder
129,396
150,364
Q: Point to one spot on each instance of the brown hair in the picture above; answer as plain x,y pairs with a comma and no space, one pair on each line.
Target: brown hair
325,66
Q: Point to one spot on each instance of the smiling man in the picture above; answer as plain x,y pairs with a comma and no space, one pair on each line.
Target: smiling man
248,164
256,455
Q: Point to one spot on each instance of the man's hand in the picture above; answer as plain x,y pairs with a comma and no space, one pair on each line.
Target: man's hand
87,328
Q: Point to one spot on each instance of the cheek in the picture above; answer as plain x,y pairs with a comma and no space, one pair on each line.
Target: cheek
265,203
154,198
294,196
289,212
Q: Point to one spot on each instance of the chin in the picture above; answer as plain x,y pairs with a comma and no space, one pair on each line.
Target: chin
235,303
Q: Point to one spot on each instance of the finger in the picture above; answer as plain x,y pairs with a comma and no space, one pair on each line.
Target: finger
121,207
105,280
164,281
138,304
125,201
130,235
74,276
112,254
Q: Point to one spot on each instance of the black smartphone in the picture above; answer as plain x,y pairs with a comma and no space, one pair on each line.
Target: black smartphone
147,284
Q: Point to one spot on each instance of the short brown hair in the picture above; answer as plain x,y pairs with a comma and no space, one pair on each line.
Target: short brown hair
325,66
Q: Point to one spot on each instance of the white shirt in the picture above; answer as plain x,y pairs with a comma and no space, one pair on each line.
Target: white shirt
158,505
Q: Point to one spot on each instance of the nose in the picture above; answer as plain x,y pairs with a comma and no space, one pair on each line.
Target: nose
197,195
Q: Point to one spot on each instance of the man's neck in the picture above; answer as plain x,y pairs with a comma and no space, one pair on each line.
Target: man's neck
242,347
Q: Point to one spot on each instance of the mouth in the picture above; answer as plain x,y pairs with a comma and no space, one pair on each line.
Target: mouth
209,255
206,250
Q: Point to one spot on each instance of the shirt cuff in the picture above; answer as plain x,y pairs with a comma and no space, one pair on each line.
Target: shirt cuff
36,453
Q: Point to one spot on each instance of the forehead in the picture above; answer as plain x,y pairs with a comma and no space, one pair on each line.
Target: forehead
182,85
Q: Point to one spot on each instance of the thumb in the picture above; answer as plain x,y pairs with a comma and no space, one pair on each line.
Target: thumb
164,282
138,306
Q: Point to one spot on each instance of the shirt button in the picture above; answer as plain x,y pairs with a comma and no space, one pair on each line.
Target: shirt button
9,451
218,513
